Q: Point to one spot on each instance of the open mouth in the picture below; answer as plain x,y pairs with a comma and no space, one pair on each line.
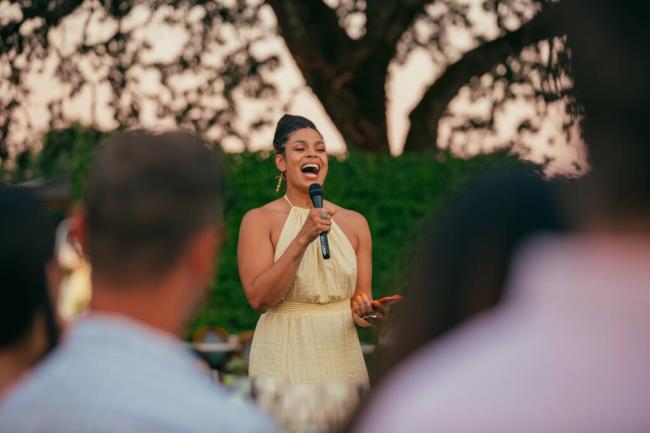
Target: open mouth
310,171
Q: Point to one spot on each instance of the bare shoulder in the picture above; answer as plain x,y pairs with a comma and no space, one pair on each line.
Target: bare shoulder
267,213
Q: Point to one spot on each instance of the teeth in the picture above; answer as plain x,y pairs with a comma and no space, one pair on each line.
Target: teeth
315,166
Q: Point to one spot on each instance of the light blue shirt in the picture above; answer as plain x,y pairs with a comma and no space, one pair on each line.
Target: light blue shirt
112,374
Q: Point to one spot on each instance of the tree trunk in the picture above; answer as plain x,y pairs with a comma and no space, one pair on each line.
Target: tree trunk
346,78
358,108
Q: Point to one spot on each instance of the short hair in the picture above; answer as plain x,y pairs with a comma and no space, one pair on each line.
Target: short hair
610,65
147,195
287,125
27,239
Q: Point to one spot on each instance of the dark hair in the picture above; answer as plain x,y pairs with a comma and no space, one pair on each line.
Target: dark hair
148,193
27,235
464,263
610,64
287,125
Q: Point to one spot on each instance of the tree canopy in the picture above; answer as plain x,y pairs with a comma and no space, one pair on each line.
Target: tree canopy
512,50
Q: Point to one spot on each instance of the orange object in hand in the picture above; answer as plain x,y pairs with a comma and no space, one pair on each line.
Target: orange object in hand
387,300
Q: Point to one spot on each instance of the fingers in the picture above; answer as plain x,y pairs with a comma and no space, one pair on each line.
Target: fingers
378,313
324,214
361,305
367,306
322,219
379,308
373,320
368,310
356,305
323,227
388,300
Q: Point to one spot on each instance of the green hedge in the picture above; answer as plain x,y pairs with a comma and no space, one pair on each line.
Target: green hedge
396,195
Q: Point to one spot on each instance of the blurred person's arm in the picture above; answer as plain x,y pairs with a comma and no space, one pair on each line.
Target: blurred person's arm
265,282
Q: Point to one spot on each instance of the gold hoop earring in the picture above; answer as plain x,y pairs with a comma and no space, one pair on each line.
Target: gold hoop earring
280,178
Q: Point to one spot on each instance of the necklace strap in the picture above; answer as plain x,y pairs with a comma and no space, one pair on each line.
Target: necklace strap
288,201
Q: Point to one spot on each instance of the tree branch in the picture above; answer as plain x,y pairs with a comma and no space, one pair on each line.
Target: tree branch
388,20
314,37
426,116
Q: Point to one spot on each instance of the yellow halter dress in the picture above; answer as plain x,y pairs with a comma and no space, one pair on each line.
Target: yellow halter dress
309,336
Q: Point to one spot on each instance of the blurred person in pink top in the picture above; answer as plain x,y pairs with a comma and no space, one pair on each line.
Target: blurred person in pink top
567,349
464,261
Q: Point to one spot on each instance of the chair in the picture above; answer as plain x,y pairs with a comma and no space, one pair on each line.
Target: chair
245,344
213,344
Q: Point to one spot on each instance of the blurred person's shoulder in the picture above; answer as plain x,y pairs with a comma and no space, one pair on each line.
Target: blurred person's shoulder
194,408
51,419
455,384
145,381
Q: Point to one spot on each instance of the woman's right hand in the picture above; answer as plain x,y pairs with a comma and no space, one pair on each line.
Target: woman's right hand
315,224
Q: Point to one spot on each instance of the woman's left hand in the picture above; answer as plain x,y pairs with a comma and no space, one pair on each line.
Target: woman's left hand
365,310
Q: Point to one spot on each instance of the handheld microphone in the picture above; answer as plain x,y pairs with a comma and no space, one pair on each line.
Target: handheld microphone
316,194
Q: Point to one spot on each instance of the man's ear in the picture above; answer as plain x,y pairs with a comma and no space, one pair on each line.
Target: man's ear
54,277
204,251
78,232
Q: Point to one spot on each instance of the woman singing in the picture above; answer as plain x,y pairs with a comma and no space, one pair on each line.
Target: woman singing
310,305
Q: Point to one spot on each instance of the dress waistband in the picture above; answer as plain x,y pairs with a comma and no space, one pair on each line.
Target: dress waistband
310,307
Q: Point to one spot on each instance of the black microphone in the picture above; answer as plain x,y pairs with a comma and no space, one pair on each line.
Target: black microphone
316,194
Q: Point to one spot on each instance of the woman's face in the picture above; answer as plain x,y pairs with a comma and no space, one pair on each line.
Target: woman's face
305,159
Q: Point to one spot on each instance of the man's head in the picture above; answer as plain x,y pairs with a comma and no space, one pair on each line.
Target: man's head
609,42
27,320
152,211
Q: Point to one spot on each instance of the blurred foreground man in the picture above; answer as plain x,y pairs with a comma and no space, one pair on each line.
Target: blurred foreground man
151,232
568,350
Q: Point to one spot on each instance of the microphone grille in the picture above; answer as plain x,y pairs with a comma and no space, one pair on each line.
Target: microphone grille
315,189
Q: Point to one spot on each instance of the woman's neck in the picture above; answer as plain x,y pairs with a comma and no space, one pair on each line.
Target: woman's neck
299,198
